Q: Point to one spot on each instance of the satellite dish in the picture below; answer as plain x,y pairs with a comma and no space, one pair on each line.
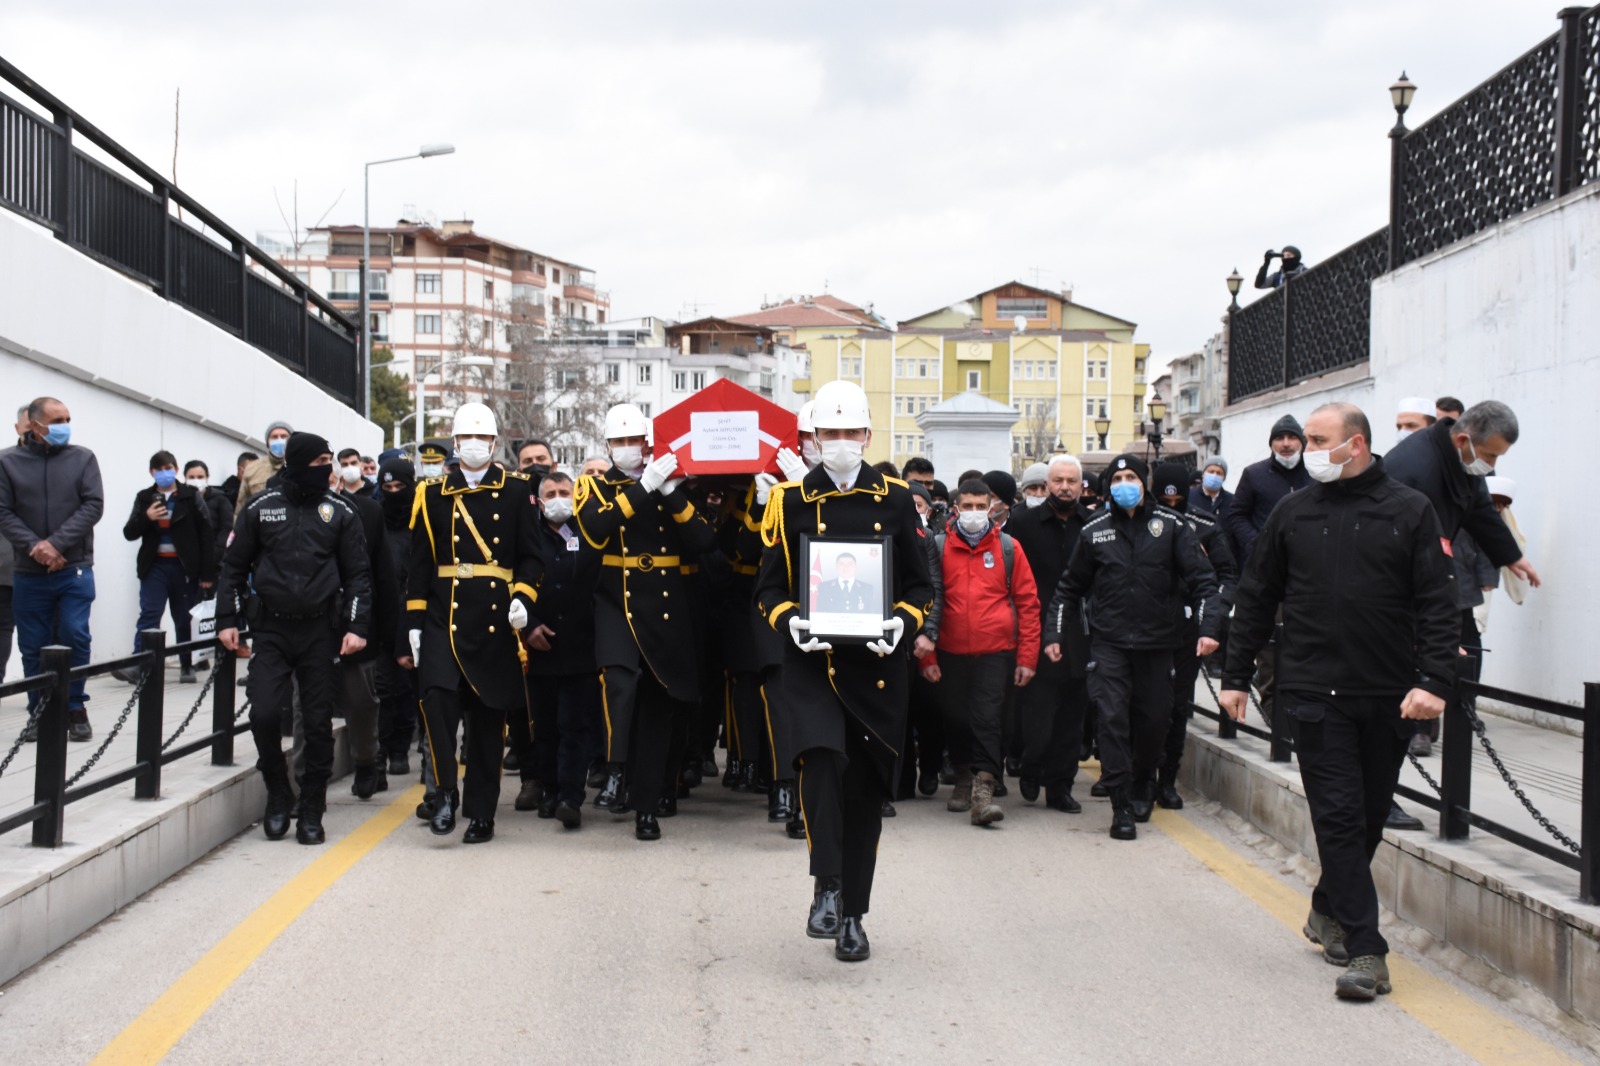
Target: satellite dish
1022,323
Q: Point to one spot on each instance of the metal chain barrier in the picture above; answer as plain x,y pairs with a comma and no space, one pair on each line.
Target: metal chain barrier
244,710
1516,790
211,677
22,738
1250,693
122,719
1416,762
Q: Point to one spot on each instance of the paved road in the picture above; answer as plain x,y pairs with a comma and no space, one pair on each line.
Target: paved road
1039,941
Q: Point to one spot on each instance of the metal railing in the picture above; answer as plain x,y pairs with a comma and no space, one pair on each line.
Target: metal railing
54,789
131,226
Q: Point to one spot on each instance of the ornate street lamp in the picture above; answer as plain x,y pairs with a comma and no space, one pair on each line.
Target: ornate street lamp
1400,94
1234,281
1102,426
1158,412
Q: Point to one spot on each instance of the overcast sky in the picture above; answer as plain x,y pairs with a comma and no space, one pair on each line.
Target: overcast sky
903,154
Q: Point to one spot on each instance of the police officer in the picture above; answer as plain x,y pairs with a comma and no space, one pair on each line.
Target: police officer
474,568
845,704
1136,570
298,553
649,533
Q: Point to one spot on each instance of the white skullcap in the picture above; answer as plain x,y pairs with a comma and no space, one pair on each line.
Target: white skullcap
1501,486
1416,405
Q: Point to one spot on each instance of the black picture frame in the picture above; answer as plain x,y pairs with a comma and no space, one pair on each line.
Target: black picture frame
837,616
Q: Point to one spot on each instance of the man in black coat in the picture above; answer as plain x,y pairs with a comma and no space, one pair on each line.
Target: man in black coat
1369,643
198,477
358,673
397,690
1210,496
177,555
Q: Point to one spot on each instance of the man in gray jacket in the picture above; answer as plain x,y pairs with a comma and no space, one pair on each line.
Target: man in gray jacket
50,500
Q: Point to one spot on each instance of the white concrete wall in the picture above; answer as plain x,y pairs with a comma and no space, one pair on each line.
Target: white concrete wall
139,375
1511,314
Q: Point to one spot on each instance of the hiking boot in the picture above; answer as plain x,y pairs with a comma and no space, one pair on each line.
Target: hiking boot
79,728
961,796
1323,930
1123,825
1142,799
1367,978
985,811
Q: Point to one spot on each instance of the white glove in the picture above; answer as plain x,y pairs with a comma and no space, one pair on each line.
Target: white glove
416,646
893,628
671,486
764,483
793,467
800,630
517,615
657,471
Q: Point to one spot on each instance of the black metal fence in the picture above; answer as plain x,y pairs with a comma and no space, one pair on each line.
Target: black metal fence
131,226
54,789
1525,136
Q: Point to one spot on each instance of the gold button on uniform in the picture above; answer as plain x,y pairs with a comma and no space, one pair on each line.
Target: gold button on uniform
452,627
497,518
491,629
497,540
494,607
665,616
877,527
831,670
455,606
876,498
456,538
880,684
822,527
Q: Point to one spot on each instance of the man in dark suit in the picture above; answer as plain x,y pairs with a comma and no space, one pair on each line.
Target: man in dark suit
844,593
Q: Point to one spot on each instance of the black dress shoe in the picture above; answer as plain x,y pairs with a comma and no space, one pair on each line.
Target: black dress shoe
823,922
1167,797
1013,766
569,815
666,806
1399,819
928,782
1099,790
597,775
479,831
730,776
528,797
645,826
547,805
610,797
399,764
426,808
444,813
747,777
280,801
888,810
783,806
1028,787
511,762
796,827
852,945
79,729
364,785
691,776
1063,802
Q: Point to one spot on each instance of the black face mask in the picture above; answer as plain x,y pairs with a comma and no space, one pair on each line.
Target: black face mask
538,470
1059,505
397,507
307,481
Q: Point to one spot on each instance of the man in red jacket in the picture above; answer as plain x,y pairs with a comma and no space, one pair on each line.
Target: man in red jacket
988,639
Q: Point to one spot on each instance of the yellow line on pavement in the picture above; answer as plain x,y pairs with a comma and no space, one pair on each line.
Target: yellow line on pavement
1487,1035
149,1037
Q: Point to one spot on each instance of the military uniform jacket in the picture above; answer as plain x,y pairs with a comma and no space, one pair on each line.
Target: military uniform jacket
473,549
650,544
827,692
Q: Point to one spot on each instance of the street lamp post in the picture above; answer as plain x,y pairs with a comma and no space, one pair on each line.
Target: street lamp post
425,152
422,395
1102,426
1158,411
1234,281
1400,94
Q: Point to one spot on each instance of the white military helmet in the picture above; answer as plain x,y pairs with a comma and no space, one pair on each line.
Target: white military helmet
474,419
803,419
841,405
626,420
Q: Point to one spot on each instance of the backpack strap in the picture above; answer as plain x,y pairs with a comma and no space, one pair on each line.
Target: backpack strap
1008,552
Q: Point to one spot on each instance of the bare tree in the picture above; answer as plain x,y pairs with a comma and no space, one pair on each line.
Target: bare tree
1039,430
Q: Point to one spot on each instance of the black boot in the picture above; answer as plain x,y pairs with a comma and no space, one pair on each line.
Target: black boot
308,830
783,806
445,803
730,776
1099,790
666,806
527,797
747,777
610,797
365,783
280,801
547,804
1123,826
645,826
796,826
429,804
823,924
691,777
1167,790
852,945
1142,799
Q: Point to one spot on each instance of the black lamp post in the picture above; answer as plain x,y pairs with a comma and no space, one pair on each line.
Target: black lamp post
1234,281
1102,426
1158,411
1400,94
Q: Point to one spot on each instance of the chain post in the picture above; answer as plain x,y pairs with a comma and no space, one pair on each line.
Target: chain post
224,669
1589,832
50,771
1455,759
152,710
1278,722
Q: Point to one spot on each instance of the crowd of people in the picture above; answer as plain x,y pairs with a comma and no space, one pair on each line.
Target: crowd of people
853,635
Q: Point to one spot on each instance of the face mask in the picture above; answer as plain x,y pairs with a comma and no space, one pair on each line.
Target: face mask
309,480
350,474
58,435
370,479
1321,466
1477,468
431,469
276,447
397,508
1212,482
924,520
538,470
199,483
973,522
1402,434
1126,494
558,509
1033,501
841,457
474,453
165,479
808,452
628,457
1288,462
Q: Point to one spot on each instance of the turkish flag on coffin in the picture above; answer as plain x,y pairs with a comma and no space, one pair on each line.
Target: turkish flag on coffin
725,429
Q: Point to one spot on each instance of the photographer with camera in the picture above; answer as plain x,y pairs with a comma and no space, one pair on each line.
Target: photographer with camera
1292,266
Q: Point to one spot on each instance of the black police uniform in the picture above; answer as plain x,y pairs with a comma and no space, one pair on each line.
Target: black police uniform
305,559
845,709
474,550
645,628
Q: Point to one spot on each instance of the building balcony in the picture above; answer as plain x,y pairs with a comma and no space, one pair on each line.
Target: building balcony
580,291
528,277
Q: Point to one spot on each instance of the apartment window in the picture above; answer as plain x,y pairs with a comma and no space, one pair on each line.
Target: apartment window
378,325
850,366
346,285
304,277
646,373
974,380
562,416
1008,307
569,378
1138,406
1097,369
555,275
1050,369
680,381
613,373
378,284
644,409
1094,408
428,324
428,284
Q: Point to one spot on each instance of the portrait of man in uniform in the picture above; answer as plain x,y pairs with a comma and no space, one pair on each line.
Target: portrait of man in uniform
847,592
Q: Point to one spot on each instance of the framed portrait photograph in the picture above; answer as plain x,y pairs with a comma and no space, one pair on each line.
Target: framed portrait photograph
849,589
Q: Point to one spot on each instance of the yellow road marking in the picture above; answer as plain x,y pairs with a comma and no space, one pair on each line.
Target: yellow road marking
1484,1034
149,1037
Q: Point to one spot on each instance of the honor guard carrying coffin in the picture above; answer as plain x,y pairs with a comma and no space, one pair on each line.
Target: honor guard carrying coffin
648,531
474,568
845,705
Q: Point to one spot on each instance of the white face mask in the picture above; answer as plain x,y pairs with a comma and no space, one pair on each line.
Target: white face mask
431,469
842,457
1402,434
1479,467
1321,466
628,457
1288,462
558,509
199,483
350,474
474,453
809,452
973,522
1033,501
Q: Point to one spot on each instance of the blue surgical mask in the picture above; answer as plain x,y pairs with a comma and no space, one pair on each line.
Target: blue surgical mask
1212,482
276,447
165,479
58,435
1126,494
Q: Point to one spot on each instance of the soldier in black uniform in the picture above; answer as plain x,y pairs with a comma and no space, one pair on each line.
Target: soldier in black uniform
298,553
474,569
397,692
432,455
844,705
1170,482
649,533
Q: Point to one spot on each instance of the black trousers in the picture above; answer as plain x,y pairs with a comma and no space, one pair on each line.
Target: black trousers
973,692
1052,710
1350,751
841,798
483,745
926,721
397,705
747,720
521,729
8,627
282,653
1185,672
1132,694
563,709
659,723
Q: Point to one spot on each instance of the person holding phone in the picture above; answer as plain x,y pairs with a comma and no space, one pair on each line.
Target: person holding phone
177,557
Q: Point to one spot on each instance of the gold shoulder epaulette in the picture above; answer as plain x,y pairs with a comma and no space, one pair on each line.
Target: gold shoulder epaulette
519,475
